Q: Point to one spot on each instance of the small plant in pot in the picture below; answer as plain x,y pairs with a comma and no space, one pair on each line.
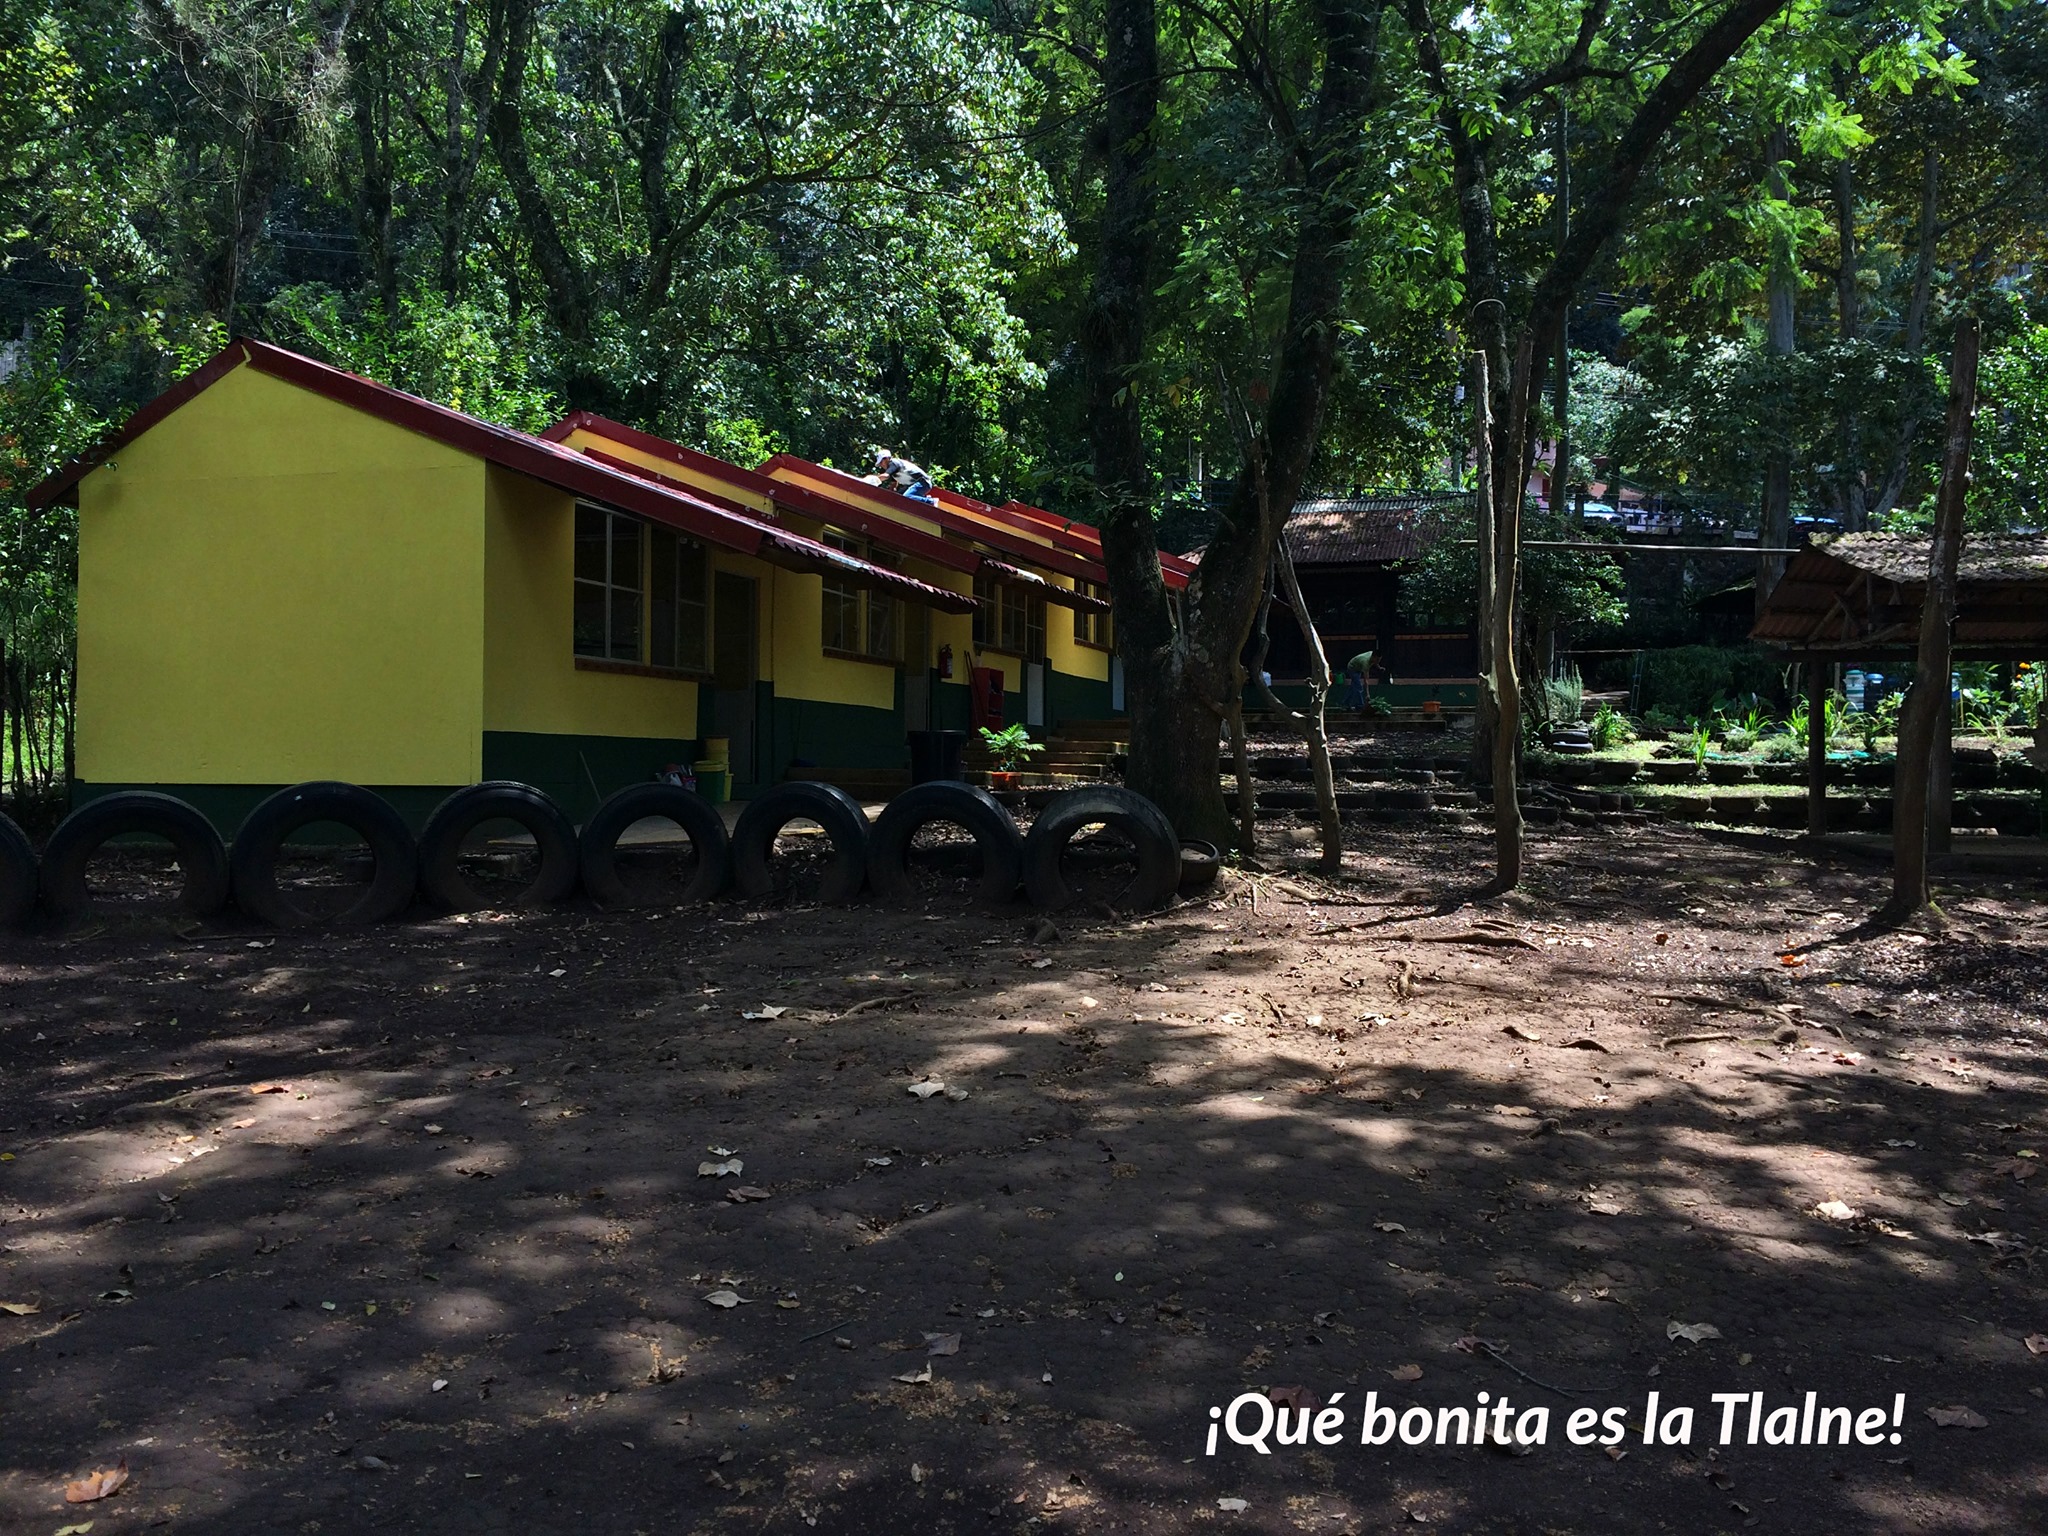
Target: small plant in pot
1008,749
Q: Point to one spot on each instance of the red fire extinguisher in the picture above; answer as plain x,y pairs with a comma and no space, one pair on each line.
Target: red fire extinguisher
945,661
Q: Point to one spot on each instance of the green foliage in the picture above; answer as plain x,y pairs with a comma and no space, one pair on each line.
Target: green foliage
1610,728
1699,741
1880,720
1691,680
2009,461
1560,700
1567,590
1010,747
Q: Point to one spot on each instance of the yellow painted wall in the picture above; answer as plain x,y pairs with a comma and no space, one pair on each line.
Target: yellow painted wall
1061,650
274,587
530,678
802,669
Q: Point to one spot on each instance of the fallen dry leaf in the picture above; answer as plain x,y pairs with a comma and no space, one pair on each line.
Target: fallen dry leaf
19,1308
1233,1506
2018,1167
271,1088
917,1473
1516,1032
765,1011
95,1486
918,1377
942,1343
1300,1399
1406,1373
726,1298
1388,1226
927,1088
2037,1343
1958,1417
1692,1333
719,1170
740,1194
1836,1210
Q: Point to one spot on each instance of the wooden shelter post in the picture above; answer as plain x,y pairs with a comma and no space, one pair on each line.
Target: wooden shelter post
1816,746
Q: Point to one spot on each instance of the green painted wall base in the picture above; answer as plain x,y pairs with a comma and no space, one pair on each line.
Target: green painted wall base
577,772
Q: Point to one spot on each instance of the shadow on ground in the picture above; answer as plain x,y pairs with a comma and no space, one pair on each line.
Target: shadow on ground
407,1230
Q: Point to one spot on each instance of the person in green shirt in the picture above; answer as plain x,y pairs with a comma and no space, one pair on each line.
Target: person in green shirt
1355,673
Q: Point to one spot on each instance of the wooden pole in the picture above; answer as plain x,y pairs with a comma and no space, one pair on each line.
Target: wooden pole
1816,749
1486,717
1920,721
1507,683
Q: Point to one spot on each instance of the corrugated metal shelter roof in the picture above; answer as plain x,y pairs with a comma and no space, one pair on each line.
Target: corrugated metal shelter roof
1861,593
1378,528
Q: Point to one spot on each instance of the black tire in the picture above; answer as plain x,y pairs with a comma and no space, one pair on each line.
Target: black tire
964,805
129,812
802,800
17,873
441,841
259,845
699,819
1132,815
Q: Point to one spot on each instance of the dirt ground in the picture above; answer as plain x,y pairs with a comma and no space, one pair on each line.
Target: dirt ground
420,1229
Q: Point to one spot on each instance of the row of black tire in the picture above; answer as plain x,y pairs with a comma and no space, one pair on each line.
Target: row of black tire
875,858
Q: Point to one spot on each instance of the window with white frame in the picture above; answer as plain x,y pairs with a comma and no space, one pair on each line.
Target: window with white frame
1091,626
1007,617
855,621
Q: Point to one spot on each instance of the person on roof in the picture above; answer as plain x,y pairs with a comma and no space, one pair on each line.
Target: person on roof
907,478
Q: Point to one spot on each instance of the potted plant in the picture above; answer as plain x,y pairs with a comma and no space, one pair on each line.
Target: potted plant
1007,750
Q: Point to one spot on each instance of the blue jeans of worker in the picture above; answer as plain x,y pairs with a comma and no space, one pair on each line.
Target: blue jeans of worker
921,490
1354,691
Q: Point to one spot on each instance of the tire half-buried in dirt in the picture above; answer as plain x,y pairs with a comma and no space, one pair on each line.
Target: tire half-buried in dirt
832,808
259,852
697,817
1130,816
554,852
17,873
973,810
130,813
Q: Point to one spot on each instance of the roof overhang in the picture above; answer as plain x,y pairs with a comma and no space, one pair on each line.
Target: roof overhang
537,457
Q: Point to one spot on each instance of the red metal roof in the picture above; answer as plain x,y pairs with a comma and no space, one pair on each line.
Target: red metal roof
803,501
539,458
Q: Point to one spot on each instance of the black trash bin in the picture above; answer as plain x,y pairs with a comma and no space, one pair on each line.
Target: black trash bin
936,755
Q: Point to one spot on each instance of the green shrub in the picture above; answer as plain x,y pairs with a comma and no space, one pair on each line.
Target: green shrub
1610,728
1689,680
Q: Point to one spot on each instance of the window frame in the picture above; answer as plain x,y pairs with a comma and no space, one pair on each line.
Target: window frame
878,628
646,537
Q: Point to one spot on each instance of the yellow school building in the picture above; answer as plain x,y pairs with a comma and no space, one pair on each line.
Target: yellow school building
288,572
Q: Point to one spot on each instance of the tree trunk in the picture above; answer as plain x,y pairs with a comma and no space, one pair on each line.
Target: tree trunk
1927,698
1849,314
569,303
1313,725
1941,777
1776,530
1176,680
1507,683
1561,381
